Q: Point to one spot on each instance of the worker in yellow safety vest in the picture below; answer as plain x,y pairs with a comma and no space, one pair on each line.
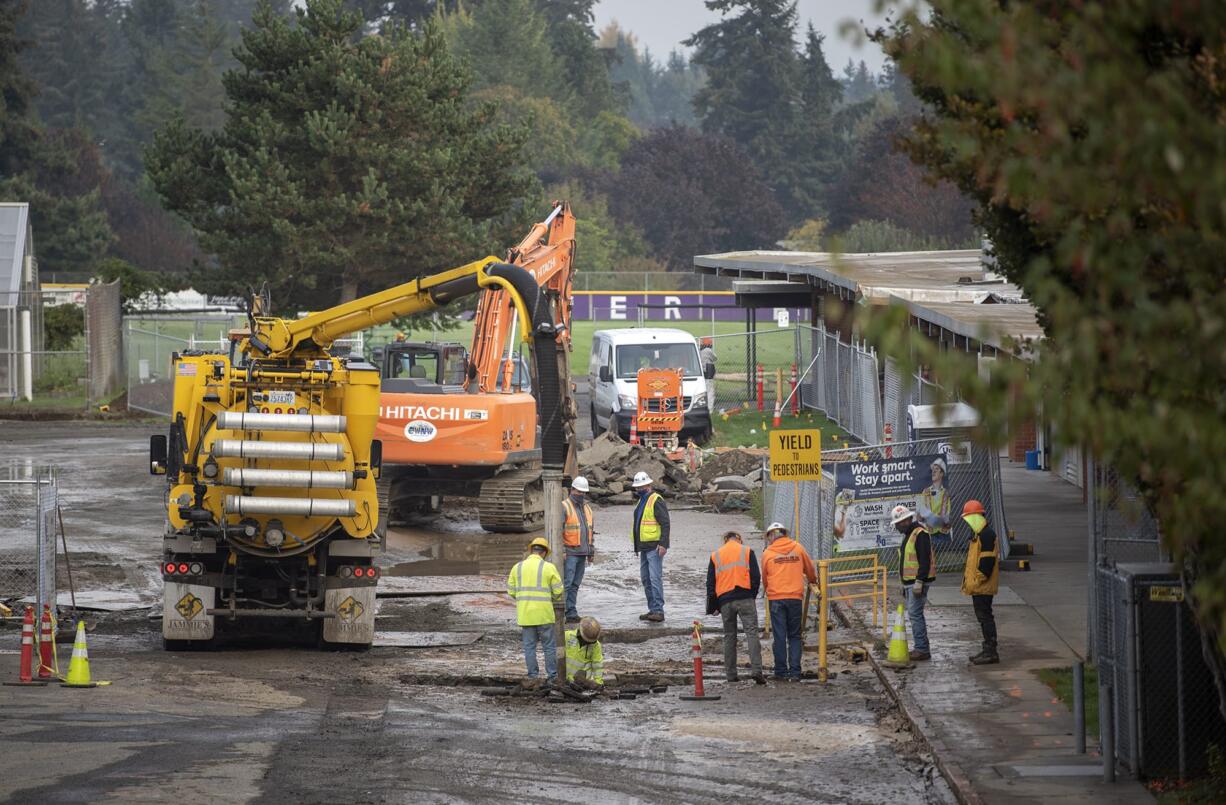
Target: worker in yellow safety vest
536,587
584,655
981,577
650,530
917,567
579,542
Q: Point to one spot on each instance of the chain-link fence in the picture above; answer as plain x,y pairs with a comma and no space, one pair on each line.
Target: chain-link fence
848,511
840,380
42,352
150,342
737,358
1155,689
903,390
28,507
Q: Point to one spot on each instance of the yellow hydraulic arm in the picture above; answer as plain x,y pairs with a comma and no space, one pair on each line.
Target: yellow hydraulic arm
310,336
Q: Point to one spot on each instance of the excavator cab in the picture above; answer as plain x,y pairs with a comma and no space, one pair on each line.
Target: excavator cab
408,366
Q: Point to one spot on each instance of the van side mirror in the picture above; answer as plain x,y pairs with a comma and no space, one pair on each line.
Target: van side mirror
157,455
708,371
606,374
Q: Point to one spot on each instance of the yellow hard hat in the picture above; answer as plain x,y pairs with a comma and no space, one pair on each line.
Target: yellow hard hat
539,542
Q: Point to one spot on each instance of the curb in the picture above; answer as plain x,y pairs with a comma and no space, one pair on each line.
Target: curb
958,782
954,776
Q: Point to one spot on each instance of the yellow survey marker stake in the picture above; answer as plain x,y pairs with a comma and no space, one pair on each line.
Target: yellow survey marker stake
78,666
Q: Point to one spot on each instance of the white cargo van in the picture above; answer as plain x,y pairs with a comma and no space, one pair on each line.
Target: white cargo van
617,356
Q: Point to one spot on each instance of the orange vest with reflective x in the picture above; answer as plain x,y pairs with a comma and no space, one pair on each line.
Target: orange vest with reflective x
731,567
574,535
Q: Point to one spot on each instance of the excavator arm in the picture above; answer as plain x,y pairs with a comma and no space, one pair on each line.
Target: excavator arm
311,336
547,253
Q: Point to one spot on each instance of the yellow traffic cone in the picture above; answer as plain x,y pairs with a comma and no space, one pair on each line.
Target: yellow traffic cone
78,667
899,656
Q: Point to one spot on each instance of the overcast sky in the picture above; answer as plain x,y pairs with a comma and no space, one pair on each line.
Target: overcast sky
661,25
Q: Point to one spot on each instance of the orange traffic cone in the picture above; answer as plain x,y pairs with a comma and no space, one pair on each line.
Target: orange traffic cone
25,675
777,421
634,430
699,695
46,646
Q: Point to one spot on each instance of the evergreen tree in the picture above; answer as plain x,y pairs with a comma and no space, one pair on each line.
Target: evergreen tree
67,43
656,95
346,163
752,94
505,43
858,83
52,172
585,68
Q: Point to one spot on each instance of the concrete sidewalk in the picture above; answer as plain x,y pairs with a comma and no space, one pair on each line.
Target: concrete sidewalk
999,733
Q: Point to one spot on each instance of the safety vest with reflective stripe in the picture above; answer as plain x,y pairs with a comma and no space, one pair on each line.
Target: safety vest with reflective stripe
975,582
731,563
589,658
535,585
910,558
649,528
574,532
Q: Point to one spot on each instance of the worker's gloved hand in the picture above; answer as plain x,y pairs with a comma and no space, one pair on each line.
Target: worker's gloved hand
980,578
919,588
661,550
591,557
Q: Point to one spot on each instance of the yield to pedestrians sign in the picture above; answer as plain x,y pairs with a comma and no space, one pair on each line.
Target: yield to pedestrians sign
796,455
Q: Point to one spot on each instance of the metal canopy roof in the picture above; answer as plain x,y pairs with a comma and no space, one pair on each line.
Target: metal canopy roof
952,290
14,224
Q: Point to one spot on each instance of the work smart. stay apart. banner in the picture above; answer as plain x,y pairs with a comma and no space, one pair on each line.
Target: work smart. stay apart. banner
867,491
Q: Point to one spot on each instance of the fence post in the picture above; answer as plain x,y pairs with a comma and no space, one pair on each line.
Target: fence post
823,580
1106,722
1079,706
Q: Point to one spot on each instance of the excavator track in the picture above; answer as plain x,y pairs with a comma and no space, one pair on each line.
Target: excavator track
513,502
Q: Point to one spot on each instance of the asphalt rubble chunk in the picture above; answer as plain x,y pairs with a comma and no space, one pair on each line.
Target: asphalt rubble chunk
723,479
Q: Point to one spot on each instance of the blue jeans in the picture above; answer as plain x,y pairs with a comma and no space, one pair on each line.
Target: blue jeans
785,628
543,633
572,574
915,612
651,571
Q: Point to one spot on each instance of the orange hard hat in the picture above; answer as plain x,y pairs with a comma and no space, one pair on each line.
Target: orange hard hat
972,507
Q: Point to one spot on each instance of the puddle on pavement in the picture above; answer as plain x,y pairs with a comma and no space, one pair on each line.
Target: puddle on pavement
456,553
781,736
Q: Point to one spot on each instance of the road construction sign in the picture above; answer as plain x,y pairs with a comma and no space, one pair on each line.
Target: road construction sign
796,455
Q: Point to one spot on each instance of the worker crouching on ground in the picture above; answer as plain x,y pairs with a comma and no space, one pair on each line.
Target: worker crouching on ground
579,539
917,567
584,655
536,587
786,569
733,580
981,578
650,531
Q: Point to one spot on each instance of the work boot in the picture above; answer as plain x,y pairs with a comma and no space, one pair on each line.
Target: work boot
758,679
646,616
656,617
986,657
573,619
919,656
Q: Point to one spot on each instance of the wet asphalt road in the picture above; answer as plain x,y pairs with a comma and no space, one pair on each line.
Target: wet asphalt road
278,722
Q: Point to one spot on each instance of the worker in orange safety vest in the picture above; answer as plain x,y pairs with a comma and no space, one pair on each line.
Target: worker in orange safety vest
733,580
786,572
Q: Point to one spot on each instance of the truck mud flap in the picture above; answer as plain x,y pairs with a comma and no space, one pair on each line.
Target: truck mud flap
354,609
185,611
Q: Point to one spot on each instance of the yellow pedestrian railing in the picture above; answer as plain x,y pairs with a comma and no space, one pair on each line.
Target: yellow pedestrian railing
854,577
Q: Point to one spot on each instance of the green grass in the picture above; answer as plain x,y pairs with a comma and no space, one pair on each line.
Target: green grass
76,402
751,429
1060,680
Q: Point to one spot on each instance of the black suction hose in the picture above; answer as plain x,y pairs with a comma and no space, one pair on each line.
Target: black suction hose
544,349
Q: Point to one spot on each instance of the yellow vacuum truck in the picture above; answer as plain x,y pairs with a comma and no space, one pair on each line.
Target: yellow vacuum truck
271,463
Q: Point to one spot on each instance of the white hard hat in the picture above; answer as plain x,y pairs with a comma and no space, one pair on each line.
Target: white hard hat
640,479
580,483
939,462
899,514
776,527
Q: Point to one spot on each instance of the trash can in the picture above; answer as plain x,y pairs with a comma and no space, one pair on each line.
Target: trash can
1032,459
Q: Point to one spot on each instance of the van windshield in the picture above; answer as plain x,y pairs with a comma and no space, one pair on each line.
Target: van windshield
632,357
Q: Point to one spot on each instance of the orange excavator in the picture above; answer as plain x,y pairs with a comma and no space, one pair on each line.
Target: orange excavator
456,423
